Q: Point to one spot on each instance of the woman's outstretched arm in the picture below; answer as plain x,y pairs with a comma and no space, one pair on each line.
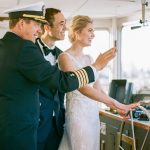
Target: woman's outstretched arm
96,93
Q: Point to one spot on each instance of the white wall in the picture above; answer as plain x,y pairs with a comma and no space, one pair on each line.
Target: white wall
3,28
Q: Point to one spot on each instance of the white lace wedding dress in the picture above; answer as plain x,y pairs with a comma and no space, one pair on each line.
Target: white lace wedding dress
82,126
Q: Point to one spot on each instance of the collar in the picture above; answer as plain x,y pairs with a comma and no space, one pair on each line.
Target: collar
43,44
45,49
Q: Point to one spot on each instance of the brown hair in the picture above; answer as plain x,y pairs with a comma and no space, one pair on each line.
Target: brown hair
49,15
13,22
77,24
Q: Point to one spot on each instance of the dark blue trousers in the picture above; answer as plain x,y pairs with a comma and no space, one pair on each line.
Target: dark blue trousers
53,140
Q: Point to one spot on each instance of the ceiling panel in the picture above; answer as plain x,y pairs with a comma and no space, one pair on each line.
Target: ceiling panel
92,8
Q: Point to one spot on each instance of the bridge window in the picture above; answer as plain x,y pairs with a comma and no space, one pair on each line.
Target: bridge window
135,57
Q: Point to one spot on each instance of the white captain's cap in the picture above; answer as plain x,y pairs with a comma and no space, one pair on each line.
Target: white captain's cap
33,11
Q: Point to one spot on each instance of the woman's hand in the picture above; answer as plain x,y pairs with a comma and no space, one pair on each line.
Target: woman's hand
124,109
103,59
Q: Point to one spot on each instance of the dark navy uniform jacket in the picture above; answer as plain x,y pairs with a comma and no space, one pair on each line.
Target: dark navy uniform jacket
22,70
51,105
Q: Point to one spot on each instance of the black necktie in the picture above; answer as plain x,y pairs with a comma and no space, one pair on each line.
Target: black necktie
46,49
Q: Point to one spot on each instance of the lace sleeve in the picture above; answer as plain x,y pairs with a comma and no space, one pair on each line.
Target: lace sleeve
73,61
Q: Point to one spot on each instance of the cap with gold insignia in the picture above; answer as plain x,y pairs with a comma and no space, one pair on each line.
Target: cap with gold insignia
33,11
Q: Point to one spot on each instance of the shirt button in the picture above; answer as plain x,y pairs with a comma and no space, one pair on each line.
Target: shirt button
40,104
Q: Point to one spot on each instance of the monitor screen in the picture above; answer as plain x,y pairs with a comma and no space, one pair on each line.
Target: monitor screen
129,93
117,90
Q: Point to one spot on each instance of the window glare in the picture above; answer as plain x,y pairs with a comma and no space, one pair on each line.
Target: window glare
135,57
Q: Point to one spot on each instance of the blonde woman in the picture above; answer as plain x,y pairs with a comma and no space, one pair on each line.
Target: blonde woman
82,127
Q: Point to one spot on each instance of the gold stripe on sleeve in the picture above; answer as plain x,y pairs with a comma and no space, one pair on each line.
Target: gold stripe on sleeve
76,73
83,77
86,76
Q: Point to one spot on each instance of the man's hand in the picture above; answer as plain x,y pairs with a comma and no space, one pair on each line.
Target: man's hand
104,58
